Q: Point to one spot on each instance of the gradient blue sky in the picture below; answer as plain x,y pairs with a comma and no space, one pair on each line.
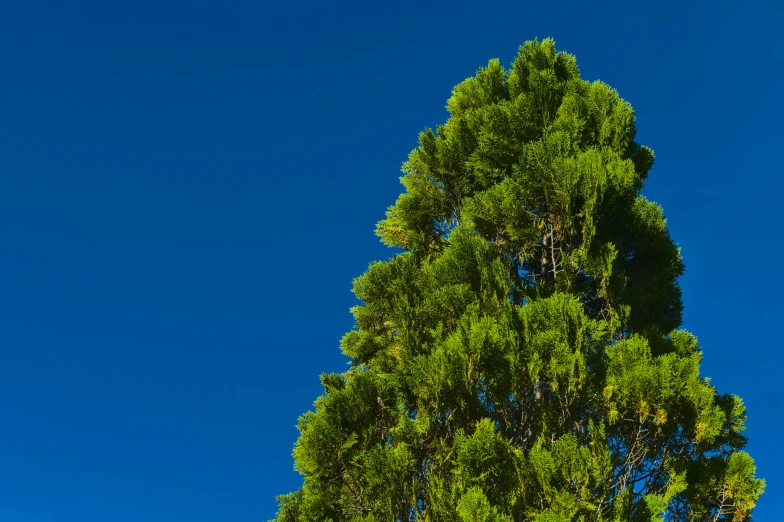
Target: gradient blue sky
188,189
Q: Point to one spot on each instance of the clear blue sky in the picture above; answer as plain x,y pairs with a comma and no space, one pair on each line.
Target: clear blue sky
188,189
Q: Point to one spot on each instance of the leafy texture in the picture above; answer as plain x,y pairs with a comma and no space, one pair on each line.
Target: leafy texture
520,359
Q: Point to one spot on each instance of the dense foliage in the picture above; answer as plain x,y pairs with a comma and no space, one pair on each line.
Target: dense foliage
519,360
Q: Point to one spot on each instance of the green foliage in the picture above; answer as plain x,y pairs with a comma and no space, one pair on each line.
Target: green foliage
520,360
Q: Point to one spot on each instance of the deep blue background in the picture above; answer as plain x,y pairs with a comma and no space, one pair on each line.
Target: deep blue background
188,189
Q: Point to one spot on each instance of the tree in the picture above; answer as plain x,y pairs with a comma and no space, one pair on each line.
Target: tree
520,359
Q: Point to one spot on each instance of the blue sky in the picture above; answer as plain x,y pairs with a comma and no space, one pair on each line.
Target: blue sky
189,188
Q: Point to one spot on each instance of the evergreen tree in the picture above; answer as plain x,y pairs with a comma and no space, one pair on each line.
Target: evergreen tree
520,359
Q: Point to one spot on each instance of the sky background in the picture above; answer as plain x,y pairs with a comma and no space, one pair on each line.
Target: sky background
187,190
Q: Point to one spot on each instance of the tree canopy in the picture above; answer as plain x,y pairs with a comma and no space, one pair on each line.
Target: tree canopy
520,358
